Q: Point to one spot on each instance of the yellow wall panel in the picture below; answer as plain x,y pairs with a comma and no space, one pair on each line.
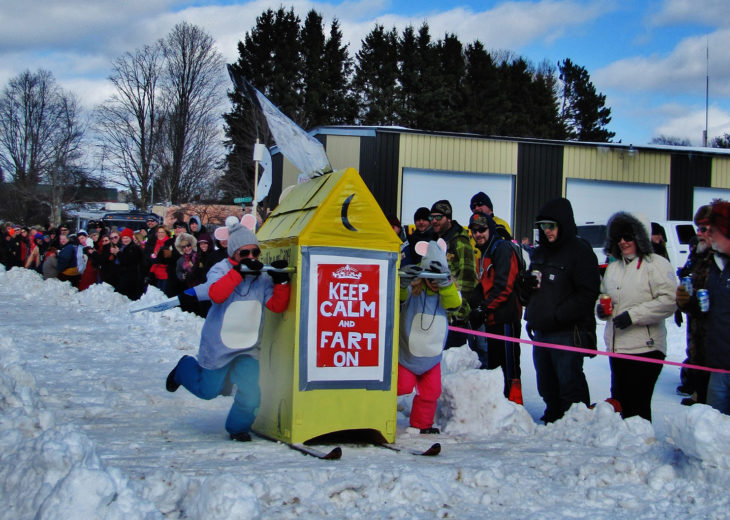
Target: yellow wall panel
431,152
720,172
619,165
343,151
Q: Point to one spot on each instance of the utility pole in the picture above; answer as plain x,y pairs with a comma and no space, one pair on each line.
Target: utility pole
707,91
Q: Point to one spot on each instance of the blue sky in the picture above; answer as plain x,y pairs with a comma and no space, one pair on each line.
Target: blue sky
648,57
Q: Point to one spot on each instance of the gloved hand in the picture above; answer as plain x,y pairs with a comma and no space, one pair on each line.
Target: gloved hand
279,277
623,320
252,264
477,317
682,296
678,319
188,300
601,313
408,274
437,267
528,280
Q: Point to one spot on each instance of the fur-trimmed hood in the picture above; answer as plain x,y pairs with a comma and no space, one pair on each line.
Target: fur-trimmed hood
185,237
622,222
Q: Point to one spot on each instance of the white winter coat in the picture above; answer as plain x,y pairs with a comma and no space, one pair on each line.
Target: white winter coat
646,289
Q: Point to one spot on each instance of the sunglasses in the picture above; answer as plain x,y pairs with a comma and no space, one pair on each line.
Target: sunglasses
548,226
437,218
187,245
703,229
114,237
626,237
479,229
476,205
243,253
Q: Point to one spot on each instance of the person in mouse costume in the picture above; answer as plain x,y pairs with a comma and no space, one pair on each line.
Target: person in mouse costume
423,330
231,337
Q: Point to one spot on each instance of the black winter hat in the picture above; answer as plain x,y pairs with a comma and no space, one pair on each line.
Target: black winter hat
481,199
421,213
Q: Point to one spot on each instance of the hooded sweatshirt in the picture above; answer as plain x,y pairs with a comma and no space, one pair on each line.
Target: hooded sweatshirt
570,281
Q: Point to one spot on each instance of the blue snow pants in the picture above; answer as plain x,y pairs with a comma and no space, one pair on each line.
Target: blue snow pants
243,372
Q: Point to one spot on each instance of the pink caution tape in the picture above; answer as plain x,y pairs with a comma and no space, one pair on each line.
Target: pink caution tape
588,350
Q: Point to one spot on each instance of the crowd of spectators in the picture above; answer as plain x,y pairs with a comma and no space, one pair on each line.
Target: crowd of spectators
170,259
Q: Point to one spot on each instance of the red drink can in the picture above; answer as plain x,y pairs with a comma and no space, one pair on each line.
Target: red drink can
606,304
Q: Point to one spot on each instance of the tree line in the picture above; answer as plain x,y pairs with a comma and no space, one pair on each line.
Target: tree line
406,79
159,135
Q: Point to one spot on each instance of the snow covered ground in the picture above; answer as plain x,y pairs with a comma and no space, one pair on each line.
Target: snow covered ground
87,430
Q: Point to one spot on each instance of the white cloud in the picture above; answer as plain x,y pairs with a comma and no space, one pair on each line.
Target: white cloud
713,13
682,70
679,121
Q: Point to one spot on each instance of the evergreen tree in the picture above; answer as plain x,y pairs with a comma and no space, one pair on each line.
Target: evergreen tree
517,85
450,90
583,109
720,141
484,96
339,103
376,74
544,106
314,75
409,77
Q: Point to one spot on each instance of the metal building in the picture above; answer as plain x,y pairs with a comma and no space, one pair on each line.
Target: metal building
405,169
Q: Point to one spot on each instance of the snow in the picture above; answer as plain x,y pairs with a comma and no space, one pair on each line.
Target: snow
87,430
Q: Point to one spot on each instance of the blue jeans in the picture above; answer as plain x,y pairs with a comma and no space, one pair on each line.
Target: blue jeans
718,392
243,372
560,378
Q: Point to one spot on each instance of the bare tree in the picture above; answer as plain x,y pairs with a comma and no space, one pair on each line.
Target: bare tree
192,90
130,122
40,140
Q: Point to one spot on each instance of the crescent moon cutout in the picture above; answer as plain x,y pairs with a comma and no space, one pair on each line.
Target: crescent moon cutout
345,207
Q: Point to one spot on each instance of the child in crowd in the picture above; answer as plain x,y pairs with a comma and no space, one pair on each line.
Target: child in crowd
423,329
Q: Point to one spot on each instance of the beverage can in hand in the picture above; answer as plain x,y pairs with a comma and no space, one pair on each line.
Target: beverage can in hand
687,282
606,304
703,298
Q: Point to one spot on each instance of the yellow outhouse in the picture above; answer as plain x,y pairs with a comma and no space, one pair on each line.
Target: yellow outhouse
329,363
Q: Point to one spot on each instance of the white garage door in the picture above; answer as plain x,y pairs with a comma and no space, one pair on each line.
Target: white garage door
704,196
595,201
424,187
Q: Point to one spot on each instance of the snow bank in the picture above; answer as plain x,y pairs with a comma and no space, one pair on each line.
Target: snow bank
472,403
51,472
701,432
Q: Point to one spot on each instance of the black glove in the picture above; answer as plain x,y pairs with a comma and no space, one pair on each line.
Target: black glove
623,320
528,280
600,312
477,317
408,274
253,265
279,277
678,319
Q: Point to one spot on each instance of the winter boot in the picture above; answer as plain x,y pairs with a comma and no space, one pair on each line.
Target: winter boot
241,437
171,385
515,392
615,403
430,431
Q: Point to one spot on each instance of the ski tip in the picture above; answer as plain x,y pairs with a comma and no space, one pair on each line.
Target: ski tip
335,454
434,450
